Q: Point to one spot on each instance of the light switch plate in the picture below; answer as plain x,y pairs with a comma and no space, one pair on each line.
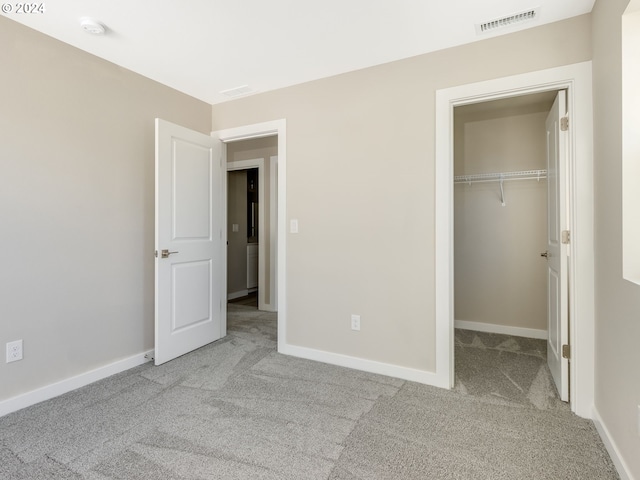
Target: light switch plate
294,225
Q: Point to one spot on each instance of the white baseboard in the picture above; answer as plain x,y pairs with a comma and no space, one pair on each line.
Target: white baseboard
371,366
623,470
238,294
63,386
505,330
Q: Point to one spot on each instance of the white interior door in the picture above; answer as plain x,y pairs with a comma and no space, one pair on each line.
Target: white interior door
558,318
189,273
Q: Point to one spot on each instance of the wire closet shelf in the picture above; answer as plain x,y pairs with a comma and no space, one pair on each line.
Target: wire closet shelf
498,177
501,177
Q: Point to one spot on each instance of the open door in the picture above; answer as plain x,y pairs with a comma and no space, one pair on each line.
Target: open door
557,288
189,268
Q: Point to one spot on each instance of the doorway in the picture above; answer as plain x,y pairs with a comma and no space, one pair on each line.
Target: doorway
277,207
251,222
502,215
576,80
246,262
245,265
191,260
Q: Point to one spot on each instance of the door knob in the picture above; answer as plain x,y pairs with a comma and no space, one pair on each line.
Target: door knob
545,254
166,253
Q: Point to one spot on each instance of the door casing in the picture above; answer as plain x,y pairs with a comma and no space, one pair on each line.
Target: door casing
576,79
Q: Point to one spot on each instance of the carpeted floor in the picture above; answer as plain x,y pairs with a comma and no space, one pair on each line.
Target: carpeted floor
236,409
505,370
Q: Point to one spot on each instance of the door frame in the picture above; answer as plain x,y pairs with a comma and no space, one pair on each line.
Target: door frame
576,79
258,130
273,230
241,165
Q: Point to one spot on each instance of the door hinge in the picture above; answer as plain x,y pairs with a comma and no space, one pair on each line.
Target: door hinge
566,237
564,124
566,351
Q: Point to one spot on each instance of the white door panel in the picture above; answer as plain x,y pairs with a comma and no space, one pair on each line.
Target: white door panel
191,292
553,287
191,170
189,312
557,301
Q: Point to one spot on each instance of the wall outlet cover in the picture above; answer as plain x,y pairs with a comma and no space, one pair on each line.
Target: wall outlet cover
14,351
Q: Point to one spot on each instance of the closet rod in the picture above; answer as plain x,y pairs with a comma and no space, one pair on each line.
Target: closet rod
498,177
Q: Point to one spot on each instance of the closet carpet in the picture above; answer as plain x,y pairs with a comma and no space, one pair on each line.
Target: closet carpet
236,409
500,368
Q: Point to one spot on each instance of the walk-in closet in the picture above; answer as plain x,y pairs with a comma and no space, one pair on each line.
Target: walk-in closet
500,232
501,214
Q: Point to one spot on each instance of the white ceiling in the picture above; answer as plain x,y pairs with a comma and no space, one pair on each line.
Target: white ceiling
202,47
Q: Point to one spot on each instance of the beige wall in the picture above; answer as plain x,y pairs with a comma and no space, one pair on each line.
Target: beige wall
265,148
631,143
500,277
360,169
617,300
76,206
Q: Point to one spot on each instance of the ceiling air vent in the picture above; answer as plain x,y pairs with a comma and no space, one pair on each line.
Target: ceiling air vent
237,91
514,19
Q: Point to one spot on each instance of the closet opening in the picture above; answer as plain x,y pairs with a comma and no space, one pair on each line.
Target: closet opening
510,299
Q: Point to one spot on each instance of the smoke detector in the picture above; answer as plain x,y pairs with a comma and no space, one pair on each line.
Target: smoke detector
92,26
516,18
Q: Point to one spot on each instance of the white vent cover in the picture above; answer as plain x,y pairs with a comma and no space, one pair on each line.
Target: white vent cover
516,18
237,91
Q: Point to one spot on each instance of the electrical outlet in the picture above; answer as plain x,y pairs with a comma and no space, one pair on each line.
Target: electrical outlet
355,322
14,351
